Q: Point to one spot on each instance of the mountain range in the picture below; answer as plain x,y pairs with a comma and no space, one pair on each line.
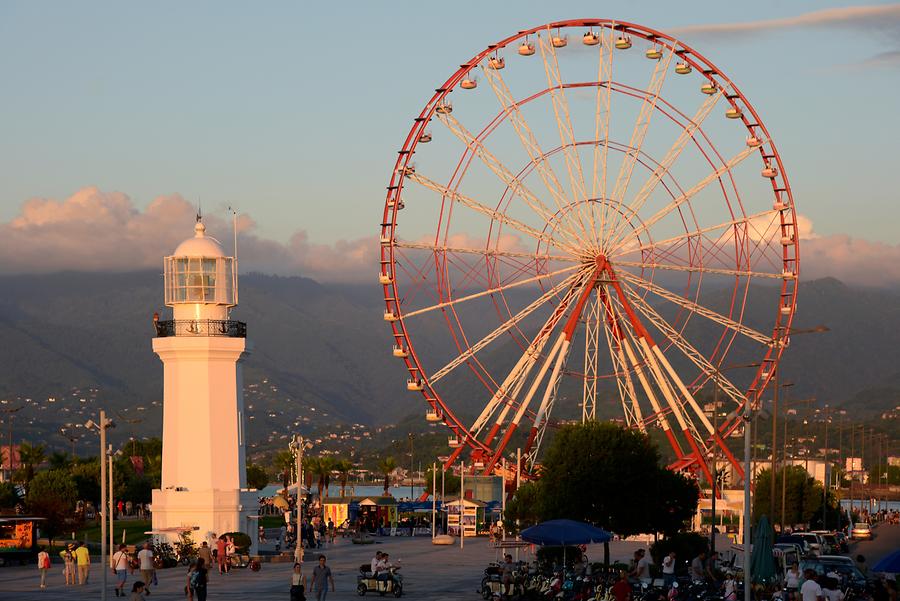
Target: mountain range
322,352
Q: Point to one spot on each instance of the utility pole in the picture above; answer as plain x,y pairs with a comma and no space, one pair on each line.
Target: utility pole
462,505
433,496
826,480
105,502
715,477
412,437
748,578
112,509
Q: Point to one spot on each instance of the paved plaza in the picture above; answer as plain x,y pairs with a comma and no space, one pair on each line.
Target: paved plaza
430,572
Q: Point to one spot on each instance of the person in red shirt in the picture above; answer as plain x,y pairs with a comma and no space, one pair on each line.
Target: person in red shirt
221,556
621,590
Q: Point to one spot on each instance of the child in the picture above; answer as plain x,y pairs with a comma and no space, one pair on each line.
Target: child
137,591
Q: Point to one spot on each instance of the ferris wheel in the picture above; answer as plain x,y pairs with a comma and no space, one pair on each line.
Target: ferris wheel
588,220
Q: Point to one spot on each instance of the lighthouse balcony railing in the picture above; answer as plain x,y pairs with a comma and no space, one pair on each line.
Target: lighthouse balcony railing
201,327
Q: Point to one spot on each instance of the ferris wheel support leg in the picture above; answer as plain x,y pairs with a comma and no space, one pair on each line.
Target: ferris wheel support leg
698,455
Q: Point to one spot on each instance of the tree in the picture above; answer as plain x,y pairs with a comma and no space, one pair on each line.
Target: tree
52,496
86,475
9,495
610,476
524,509
386,466
802,497
256,477
323,468
30,456
451,482
343,467
59,460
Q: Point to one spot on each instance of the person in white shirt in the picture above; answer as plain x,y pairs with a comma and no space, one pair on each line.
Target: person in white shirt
831,590
376,563
120,567
810,590
792,581
43,560
145,559
668,568
642,569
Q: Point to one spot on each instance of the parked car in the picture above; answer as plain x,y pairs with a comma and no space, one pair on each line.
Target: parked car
814,541
851,579
830,542
797,540
861,531
843,559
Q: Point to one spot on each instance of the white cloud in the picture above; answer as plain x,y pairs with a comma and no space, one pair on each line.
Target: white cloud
103,231
880,20
94,230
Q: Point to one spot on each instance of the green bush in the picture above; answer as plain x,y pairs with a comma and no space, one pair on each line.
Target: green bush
687,545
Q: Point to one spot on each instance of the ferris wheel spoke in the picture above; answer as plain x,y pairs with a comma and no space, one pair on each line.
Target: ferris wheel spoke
701,269
686,134
492,213
681,343
535,154
631,408
503,328
725,226
506,176
709,371
638,134
555,359
634,352
696,308
686,197
564,126
601,116
495,290
512,386
485,252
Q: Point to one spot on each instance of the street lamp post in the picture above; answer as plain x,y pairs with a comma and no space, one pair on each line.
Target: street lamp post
782,337
412,437
105,503
10,412
297,445
747,576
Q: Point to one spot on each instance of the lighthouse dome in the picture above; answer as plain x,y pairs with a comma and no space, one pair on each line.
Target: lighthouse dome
200,245
200,280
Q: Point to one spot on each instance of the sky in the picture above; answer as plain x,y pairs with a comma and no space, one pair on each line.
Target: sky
119,118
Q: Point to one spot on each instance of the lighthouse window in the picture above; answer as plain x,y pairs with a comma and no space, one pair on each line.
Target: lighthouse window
199,280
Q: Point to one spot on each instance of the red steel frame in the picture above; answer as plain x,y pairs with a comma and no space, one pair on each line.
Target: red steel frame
780,188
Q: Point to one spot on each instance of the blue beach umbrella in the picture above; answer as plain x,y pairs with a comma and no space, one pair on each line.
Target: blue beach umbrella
559,533
889,564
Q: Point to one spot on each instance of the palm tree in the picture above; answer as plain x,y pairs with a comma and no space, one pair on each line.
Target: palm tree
30,456
310,469
323,471
386,466
343,467
59,460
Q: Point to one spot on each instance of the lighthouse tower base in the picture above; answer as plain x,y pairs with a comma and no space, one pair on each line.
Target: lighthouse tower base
208,514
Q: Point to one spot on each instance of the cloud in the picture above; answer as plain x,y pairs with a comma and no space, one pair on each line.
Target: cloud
882,20
94,230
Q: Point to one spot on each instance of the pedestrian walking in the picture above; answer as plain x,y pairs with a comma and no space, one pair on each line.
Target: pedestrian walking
321,577
668,569
198,580
205,553
68,557
145,565
43,561
120,569
83,562
298,583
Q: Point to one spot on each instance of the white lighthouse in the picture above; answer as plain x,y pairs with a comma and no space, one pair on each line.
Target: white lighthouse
204,483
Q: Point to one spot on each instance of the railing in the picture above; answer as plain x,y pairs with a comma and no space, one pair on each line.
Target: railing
201,327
